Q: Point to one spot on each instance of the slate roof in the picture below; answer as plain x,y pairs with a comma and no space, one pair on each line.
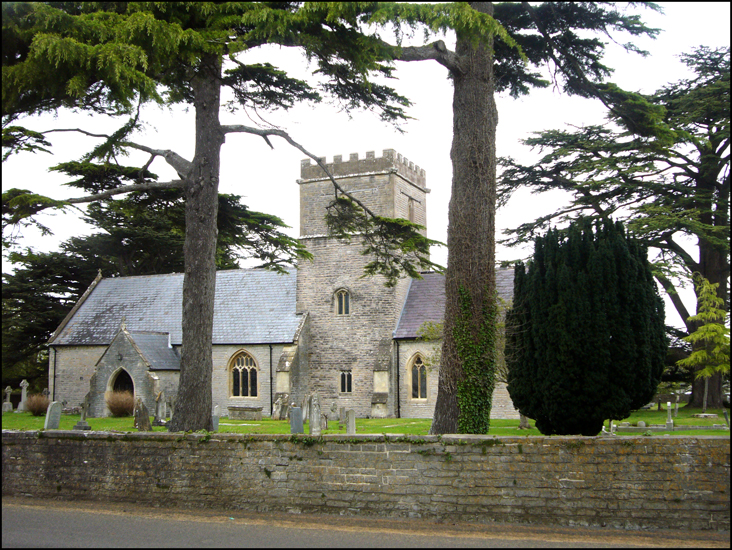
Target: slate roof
154,349
253,306
426,301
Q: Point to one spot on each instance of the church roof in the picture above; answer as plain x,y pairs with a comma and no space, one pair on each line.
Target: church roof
426,301
154,349
253,306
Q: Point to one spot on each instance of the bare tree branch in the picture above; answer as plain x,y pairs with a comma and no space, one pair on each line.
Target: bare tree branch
436,50
264,133
178,163
673,295
126,189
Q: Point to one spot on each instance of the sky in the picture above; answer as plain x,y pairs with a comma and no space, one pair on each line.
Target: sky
266,178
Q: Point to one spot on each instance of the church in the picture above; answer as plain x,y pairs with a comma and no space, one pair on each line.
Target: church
320,328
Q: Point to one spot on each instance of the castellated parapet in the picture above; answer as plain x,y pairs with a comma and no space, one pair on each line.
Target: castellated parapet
391,161
389,186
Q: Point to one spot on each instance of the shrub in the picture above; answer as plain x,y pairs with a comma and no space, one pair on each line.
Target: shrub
120,403
37,404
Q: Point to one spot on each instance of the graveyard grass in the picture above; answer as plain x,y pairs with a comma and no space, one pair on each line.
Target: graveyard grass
407,426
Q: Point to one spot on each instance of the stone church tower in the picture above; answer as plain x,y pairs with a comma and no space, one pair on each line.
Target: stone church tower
351,355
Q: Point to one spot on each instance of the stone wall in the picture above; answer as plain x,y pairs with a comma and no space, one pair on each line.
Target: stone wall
629,482
70,371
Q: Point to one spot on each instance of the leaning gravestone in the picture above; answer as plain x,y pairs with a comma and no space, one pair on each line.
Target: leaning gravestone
7,405
296,426
351,422
142,417
22,407
53,416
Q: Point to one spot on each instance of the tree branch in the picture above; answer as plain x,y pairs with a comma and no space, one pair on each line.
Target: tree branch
264,133
178,163
673,295
436,51
126,189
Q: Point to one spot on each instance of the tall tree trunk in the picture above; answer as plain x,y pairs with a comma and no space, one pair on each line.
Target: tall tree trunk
713,266
471,229
194,399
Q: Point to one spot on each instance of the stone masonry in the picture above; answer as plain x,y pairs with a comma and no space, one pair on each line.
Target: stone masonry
360,342
627,482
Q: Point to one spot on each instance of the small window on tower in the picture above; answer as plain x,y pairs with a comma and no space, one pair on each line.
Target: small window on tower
346,381
410,208
343,303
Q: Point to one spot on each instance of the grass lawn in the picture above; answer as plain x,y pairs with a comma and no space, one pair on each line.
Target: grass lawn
410,426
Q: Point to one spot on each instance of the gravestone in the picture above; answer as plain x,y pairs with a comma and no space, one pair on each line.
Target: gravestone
351,422
142,417
323,422
53,416
315,428
159,419
669,420
83,424
641,424
22,407
45,392
296,426
215,418
523,422
277,409
7,405
342,415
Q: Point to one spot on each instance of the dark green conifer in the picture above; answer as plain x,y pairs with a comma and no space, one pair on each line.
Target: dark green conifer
586,332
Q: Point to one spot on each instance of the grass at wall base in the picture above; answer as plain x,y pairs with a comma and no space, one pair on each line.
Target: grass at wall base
409,426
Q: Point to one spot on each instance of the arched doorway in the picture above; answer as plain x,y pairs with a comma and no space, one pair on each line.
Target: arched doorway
123,382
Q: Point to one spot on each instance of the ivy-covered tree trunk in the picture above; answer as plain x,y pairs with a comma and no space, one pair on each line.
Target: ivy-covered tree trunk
470,275
193,402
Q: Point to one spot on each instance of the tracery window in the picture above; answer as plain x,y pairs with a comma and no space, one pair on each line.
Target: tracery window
243,376
419,379
343,302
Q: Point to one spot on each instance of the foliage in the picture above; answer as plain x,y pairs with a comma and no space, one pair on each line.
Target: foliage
586,331
664,192
141,234
120,403
37,404
113,58
711,340
396,246
478,357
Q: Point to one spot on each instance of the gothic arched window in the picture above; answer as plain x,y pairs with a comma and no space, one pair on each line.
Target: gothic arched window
419,379
243,376
343,302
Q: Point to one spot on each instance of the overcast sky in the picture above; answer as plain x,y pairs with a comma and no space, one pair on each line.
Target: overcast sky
266,178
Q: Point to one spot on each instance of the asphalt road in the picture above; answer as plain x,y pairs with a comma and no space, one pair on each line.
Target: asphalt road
57,524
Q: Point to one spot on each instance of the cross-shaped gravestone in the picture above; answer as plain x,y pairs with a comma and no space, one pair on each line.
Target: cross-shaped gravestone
22,407
7,405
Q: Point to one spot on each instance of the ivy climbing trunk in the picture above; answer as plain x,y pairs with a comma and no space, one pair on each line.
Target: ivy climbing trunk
464,398
194,400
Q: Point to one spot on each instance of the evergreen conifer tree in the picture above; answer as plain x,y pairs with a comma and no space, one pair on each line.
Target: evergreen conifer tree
586,331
